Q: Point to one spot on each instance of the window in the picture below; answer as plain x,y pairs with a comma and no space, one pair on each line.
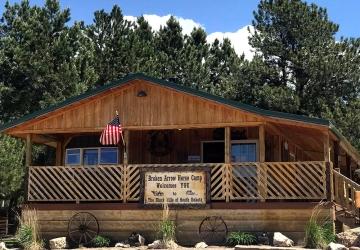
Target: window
108,156
91,156
73,156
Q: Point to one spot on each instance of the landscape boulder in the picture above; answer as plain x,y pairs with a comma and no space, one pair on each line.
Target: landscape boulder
122,245
336,246
157,244
201,245
349,238
3,246
264,238
58,243
281,240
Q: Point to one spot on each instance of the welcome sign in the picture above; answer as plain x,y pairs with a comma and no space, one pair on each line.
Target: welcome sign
175,186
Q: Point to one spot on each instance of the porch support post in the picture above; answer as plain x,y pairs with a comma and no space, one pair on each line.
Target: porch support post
336,154
262,143
28,160
328,168
227,167
348,166
227,143
59,153
125,165
261,168
327,147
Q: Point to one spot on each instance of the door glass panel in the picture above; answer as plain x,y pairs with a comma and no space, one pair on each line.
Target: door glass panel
243,152
91,157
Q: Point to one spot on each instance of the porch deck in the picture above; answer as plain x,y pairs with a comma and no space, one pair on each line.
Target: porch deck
265,181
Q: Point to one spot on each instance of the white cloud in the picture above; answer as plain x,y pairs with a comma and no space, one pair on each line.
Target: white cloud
239,38
156,22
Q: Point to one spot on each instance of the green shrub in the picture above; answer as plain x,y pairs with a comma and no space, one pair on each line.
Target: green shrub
241,238
100,241
319,232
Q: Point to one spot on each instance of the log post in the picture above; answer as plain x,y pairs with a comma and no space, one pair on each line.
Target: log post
261,168
125,164
227,160
329,167
28,160
59,153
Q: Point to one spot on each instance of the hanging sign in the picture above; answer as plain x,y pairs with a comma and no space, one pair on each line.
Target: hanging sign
175,186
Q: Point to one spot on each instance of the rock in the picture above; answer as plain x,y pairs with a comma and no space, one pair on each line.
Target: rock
335,246
354,248
171,245
201,245
3,246
281,240
58,243
136,239
157,244
349,238
122,245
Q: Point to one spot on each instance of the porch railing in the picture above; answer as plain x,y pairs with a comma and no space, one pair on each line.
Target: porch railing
229,182
344,192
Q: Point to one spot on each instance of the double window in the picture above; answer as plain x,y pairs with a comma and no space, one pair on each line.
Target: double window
91,156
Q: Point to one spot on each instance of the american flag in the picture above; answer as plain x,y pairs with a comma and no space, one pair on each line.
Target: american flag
112,132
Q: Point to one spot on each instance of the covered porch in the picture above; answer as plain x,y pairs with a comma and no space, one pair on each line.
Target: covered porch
252,162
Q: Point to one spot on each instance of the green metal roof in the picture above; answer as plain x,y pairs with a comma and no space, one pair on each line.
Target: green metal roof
172,85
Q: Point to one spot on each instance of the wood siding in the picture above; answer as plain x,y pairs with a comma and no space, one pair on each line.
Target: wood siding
161,108
119,224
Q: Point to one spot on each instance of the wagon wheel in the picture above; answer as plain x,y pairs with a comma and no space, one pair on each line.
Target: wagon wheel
82,228
213,230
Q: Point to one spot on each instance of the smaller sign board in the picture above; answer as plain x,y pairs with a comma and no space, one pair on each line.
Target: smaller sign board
182,186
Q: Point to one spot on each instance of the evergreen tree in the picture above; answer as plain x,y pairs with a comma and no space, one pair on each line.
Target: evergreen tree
42,60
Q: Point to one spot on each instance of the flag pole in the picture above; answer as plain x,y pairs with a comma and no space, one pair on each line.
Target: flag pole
122,137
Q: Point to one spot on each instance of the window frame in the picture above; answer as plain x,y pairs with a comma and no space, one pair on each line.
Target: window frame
98,156
247,141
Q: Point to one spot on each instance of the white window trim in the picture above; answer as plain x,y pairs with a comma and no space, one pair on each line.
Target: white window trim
82,156
232,142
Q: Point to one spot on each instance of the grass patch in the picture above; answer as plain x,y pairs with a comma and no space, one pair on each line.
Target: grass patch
241,238
166,227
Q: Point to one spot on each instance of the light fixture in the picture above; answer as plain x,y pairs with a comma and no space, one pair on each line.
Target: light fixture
141,93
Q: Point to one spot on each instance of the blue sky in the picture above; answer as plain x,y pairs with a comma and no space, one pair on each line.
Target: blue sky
226,18
223,16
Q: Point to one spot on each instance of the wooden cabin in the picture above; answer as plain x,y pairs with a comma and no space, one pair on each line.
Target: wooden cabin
256,170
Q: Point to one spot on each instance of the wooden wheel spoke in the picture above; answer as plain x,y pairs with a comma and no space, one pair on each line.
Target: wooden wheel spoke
82,228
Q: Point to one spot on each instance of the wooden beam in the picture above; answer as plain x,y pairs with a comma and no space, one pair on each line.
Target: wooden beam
348,166
227,142
145,127
262,143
